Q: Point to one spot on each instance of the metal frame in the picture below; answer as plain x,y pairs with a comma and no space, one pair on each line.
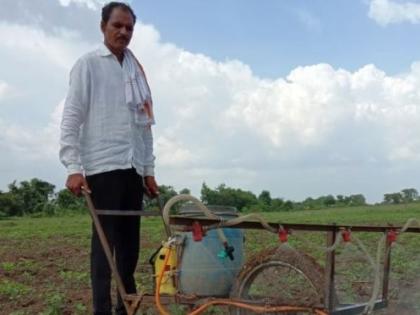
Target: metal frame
332,230
132,301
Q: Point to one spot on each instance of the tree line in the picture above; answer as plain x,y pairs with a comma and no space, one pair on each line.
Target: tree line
36,197
247,201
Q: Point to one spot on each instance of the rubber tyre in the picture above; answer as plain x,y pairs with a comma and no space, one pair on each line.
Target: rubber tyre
273,273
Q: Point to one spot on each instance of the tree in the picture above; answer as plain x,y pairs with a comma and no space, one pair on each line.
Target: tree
165,193
357,200
9,205
329,201
340,199
409,194
227,196
185,191
393,198
265,198
387,199
277,204
65,200
288,205
28,196
45,189
309,203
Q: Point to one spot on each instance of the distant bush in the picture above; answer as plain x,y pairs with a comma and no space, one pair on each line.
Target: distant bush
37,198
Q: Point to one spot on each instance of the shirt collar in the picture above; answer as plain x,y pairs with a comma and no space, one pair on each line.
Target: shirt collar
104,51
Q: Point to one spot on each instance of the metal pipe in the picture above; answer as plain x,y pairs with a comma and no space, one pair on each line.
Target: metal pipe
107,249
387,267
330,272
212,223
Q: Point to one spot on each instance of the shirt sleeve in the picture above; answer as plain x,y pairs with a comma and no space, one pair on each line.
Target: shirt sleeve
74,112
149,158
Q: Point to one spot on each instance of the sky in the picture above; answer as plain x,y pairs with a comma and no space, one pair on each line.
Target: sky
301,98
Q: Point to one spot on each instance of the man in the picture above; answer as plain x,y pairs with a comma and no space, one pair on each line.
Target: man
107,146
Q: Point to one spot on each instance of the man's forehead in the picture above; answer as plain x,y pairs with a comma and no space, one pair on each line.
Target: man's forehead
120,14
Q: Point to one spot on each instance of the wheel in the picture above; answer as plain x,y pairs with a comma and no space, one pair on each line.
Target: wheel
279,277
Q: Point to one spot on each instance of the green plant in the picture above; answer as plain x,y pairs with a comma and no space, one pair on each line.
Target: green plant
13,290
8,266
74,277
55,302
80,309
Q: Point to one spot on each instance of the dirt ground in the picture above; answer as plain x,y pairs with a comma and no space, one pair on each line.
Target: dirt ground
51,277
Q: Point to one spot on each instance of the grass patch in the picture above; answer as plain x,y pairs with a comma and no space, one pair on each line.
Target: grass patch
54,304
74,278
48,257
8,266
13,290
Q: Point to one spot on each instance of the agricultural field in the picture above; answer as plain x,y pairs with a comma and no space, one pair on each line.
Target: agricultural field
44,262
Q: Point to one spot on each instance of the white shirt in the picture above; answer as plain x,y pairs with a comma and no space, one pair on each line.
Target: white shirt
99,132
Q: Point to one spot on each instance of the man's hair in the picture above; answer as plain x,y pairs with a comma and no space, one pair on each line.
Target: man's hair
107,10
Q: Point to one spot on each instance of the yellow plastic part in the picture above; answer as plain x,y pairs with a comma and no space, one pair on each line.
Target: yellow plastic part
167,285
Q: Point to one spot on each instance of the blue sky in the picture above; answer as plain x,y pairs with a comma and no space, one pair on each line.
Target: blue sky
275,36
303,98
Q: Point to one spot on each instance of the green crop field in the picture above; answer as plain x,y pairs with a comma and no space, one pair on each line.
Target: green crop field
44,262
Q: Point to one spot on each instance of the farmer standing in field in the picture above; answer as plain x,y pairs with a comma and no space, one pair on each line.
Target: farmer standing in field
107,146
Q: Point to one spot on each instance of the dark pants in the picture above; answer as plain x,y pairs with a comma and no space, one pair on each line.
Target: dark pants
115,190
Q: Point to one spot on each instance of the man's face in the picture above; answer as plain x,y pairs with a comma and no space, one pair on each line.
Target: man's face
118,30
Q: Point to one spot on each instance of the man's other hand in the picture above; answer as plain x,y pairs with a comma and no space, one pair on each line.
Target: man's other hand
151,187
75,182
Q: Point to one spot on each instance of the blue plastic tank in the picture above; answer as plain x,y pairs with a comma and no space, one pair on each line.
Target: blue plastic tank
202,272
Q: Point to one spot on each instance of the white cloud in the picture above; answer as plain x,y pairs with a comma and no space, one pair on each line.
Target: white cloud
171,153
91,4
4,89
32,144
386,12
203,101
217,121
316,104
60,50
220,109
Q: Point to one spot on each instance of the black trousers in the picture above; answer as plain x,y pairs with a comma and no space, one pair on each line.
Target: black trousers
115,190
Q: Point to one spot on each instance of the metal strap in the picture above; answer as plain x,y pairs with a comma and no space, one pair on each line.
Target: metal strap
129,213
